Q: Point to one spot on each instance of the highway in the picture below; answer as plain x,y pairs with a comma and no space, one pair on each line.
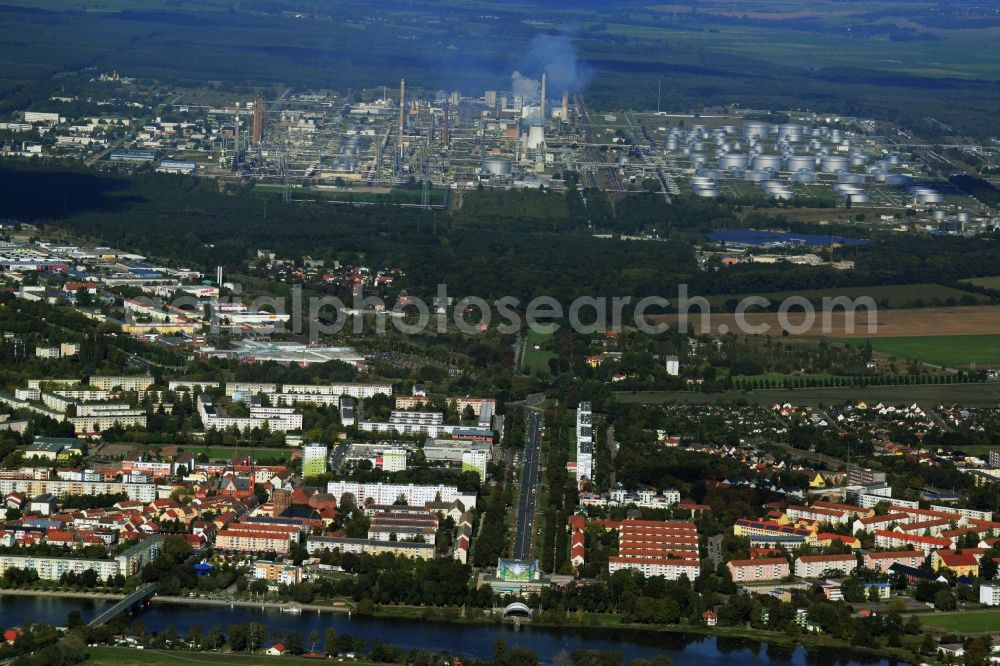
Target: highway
529,482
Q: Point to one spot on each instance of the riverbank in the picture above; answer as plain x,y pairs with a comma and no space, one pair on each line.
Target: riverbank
286,607
63,594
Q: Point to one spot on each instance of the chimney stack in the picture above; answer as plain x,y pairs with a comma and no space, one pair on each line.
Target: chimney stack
402,113
447,135
565,106
543,98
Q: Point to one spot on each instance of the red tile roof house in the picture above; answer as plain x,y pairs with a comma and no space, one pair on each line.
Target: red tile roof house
710,618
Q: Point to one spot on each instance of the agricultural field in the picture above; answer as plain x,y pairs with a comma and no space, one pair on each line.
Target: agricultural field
966,394
944,350
892,296
919,322
992,282
967,622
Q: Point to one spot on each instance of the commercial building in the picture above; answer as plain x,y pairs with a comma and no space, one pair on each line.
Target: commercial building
761,569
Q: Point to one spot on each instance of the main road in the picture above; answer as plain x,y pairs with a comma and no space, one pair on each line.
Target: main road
529,483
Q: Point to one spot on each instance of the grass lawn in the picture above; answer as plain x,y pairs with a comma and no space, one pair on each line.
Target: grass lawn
537,359
974,622
946,350
116,656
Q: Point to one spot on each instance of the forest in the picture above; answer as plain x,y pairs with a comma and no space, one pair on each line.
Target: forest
184,219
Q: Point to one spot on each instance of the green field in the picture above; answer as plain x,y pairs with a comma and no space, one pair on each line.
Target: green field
971,395
992,282
944,350
896,295
966,623
114,656
535,360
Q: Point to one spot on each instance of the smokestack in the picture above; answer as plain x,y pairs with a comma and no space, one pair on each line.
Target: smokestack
402,113
565,106
218,275
447,134
543,98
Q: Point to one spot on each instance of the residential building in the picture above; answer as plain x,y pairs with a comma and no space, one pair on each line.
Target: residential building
584,443
423,551
989,593
761,569
124,383
816,566
882,561
656,548
314,459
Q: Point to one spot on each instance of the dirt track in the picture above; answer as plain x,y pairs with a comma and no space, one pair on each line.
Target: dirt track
966,320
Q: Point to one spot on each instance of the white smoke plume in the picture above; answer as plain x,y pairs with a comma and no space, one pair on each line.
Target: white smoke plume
525,87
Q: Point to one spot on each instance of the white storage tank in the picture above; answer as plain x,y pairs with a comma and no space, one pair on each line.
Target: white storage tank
800,163
763,162
834,163
733,161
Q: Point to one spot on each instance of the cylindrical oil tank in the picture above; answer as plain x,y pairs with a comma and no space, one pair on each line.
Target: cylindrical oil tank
800,163
859,198
496,166
834,163
851,178
927,196
762,162
858,160
696,146
964,217
756,130
835,136
756,176
878,175
698,160
733,161
790,132
708,191
939,215
729,129
893,159
804,177
672,144
898,179
711,173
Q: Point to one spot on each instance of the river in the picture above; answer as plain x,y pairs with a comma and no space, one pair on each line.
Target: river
468,640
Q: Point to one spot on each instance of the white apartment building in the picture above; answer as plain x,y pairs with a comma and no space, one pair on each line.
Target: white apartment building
125,383
584,443
388,493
